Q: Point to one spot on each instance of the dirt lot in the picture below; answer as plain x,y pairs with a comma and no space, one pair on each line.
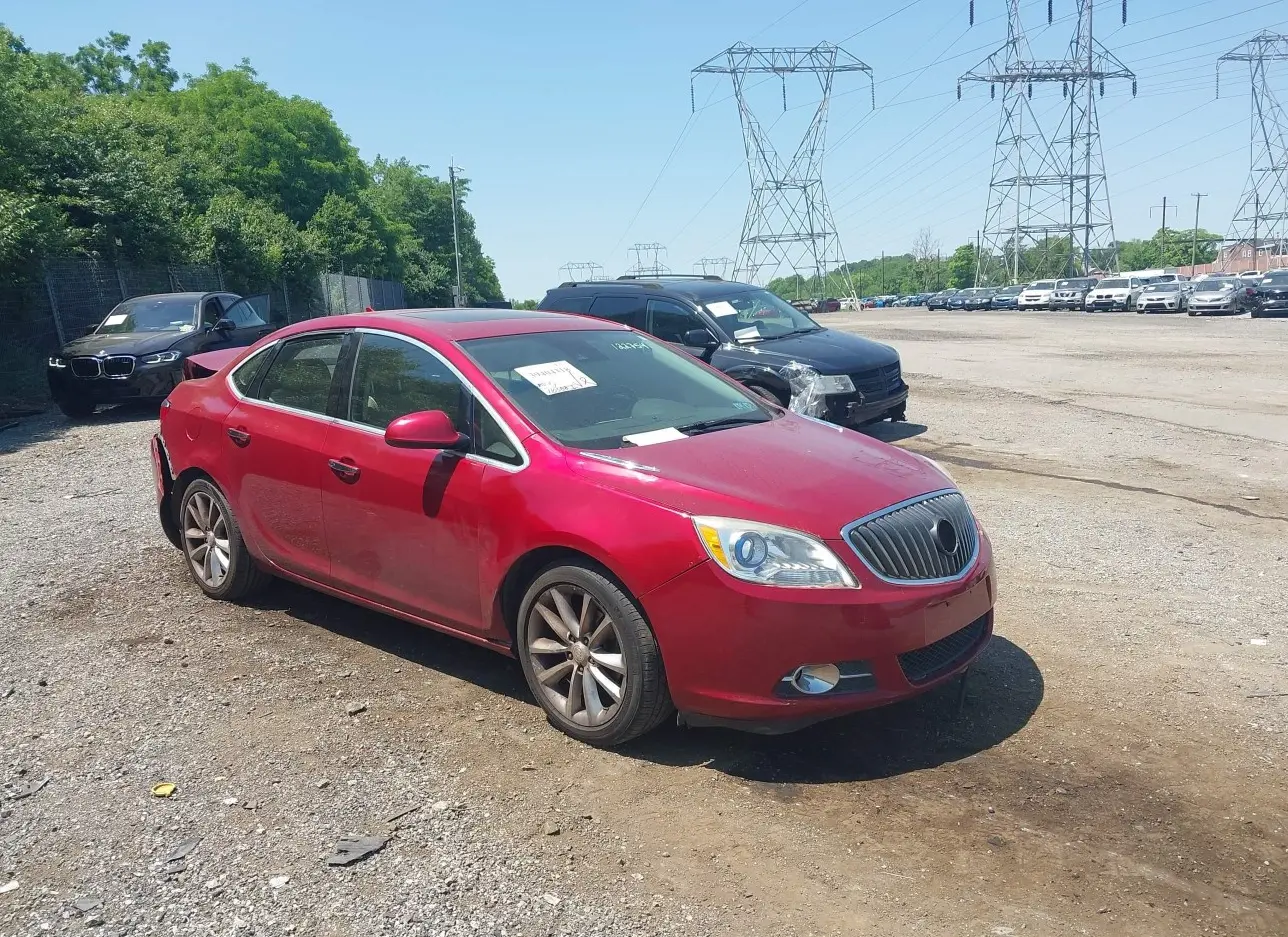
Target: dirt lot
1118,766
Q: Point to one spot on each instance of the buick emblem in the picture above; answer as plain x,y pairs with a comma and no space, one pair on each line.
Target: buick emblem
945,535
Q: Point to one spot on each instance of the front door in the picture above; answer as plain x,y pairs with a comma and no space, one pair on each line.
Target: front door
402,524
275,439
248,318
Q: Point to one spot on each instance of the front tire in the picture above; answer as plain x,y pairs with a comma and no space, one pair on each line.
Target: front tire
589,657
75,409
898,414
213,545
760,390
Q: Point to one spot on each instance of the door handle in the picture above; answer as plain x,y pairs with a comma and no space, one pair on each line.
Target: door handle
238,436
345,470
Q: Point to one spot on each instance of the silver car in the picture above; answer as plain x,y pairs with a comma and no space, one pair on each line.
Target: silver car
1164,297
1227,296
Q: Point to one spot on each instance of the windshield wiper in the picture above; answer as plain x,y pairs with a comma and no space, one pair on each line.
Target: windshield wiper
812,328
724,422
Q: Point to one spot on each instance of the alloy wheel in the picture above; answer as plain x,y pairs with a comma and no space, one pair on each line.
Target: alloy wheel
576,655
205,538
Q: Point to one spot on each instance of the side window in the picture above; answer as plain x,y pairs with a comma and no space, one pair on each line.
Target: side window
393,377
669,321
628,309
211,311
244,313
490,440
243,376
300,375
569,302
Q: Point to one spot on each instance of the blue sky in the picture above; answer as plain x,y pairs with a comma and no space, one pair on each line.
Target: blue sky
572,117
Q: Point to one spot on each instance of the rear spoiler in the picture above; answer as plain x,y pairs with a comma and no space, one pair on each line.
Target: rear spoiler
208,363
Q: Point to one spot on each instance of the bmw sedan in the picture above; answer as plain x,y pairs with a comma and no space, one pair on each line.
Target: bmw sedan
642,532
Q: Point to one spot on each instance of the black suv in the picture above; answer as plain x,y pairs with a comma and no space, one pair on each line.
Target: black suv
751,335
136,353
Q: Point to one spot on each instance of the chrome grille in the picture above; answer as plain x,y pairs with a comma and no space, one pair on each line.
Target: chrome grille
87,367
909,542
118,366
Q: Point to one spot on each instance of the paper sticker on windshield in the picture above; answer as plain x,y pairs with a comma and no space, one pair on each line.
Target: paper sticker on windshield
657,435
742,335
116,319
721,308
187,327
631,346
554,377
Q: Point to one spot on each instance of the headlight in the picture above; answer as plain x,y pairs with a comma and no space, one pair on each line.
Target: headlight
162,357
772,556
57,362
835,384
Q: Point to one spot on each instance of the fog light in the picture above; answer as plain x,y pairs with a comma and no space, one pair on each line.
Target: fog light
814,679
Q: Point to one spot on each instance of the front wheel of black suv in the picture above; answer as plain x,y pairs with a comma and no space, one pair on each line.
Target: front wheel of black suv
75,409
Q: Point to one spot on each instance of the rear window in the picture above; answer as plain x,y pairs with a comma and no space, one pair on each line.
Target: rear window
568,302
626,309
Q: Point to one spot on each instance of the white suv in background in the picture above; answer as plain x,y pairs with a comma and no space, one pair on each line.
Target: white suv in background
1037,295
1115,293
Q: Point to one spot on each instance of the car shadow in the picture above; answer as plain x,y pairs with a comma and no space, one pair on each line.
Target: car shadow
18,433
1003,691
893,432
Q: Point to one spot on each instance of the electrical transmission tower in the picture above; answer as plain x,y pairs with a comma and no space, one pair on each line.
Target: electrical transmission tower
788,226
648,261
1048,203
717,266
1262,214
581,271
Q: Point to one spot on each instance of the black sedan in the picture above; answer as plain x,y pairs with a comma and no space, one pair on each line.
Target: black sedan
137,352
1273,294
1008,297
940,300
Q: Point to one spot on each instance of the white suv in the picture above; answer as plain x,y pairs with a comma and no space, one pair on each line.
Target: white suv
1115,293
1037,295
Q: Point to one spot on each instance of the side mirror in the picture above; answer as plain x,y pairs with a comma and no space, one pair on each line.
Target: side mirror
426,429
700,338
91,329
225,325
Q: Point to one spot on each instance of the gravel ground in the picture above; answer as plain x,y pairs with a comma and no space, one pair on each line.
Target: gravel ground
1117,765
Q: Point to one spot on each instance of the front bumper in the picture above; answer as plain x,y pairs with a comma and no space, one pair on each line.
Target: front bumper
857,409
1033,304
1074,301
147,382
1273,307
1109,305
1199,307
1149,306
727,645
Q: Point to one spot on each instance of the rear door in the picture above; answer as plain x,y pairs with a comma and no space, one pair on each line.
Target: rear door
625,308
275,438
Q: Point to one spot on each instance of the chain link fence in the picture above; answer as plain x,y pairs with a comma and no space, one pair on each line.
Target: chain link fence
60,300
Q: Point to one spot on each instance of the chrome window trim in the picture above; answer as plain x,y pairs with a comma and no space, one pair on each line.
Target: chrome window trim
245,361
907,502
465,382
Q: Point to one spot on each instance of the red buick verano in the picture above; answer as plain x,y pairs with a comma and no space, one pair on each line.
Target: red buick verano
643,533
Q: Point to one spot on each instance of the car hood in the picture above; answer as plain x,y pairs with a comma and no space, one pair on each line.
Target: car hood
792,471
830,351
125,343
1212,294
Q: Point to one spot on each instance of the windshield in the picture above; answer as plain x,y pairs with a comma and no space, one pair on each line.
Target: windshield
1215,286
1113,285
1276,279
756,315
1075,284
611,389
1163,288
1043,285
1010,291
150,314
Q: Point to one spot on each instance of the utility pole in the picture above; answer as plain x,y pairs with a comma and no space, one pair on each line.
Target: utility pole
883,272
979,253
1194,243
1164,207
1264,205
459,299
1047,184
788,222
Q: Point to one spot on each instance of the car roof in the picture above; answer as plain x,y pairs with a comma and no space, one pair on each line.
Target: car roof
694,288
194,296
455,325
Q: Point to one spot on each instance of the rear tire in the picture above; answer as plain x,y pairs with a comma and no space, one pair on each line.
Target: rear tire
213,546
75,409
589,657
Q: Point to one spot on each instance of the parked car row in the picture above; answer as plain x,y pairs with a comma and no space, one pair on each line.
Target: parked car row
1260,295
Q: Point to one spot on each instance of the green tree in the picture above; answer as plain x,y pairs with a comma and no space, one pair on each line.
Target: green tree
151,72
350,236
253,243
105,64
1171,248
525,304
961,267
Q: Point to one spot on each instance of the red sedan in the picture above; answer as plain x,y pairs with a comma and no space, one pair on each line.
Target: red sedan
643,533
